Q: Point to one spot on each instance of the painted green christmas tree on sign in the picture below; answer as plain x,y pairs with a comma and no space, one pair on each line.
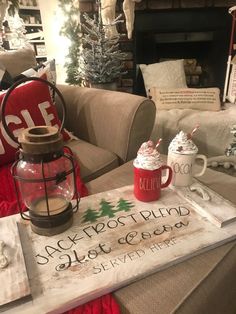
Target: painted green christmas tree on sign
124,205
90,215
106,209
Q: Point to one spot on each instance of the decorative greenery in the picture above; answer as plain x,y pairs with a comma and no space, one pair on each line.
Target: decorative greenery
101,61
72,30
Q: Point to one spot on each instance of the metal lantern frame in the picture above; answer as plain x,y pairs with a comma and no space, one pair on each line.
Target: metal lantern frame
42,221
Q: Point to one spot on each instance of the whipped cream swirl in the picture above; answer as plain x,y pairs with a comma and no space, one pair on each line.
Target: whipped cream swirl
148,157
182,144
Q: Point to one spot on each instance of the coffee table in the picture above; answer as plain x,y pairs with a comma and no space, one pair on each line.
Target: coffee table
203,284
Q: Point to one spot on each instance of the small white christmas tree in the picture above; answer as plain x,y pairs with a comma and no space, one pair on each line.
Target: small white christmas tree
100,59
16,35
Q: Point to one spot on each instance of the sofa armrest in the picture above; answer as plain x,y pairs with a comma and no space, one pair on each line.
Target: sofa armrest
116,121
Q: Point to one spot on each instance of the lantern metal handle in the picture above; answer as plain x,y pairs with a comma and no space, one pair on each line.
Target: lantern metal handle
9,91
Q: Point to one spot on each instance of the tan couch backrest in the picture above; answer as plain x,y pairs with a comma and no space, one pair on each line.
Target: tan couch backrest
17,61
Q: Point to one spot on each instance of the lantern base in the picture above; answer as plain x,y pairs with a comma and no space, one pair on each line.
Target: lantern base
52,231
53,224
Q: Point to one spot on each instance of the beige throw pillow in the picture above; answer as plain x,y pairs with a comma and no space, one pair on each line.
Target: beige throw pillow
186,98
17,61
166,74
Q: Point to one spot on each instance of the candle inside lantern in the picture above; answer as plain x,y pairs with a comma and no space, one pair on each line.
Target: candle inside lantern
56,205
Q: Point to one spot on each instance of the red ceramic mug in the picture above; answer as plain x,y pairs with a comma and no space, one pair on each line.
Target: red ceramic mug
148,183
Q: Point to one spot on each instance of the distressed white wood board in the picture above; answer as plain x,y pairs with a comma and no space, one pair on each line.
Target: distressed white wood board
149,249
218,210
14,280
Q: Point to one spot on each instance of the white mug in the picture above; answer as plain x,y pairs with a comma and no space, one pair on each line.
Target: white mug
182,167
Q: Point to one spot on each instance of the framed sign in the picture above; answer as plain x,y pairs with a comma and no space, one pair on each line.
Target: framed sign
40,49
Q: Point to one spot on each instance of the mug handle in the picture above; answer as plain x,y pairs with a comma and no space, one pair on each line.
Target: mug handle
203,157
165,184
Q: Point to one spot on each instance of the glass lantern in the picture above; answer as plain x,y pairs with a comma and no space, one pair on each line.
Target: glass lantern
44,178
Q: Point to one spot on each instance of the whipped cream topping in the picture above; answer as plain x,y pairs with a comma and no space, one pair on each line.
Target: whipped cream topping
182,144
148,157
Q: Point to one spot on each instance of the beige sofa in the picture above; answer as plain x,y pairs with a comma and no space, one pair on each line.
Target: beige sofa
213,135
109,126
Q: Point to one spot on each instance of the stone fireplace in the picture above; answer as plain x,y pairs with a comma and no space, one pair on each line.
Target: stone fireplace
196,30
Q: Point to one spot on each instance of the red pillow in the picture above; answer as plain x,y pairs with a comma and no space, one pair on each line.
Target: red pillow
28,105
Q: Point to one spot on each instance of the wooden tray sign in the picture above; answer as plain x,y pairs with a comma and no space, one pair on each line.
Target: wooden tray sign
114,241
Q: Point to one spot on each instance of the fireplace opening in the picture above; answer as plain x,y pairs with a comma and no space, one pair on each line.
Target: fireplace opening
200,36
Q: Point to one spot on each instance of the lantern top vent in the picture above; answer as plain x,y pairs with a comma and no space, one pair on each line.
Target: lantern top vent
40,140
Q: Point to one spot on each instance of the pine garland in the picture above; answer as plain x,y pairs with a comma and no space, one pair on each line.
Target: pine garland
72,30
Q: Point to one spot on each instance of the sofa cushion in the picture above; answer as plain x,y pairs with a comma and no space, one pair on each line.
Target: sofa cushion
48,67
28,105
93,160
5,78
17,61
166,74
